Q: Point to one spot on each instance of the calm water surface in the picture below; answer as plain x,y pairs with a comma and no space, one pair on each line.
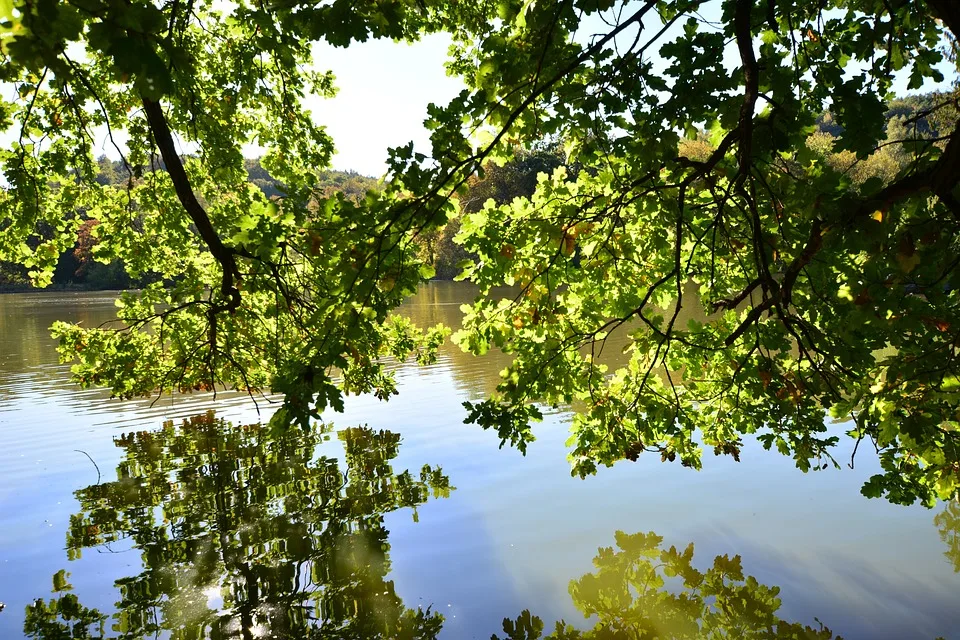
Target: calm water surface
162,523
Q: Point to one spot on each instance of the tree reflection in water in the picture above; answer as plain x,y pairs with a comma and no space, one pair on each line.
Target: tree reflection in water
948,525
643,591
246,533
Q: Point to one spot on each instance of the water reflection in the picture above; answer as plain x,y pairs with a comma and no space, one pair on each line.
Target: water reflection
243,533
947,523
640,590
247,533
25,321
64,616
441,302
869,569
643,591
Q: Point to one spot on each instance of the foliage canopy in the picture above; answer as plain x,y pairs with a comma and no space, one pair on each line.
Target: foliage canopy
820,291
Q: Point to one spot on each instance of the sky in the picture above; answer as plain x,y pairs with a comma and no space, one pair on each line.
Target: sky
383,92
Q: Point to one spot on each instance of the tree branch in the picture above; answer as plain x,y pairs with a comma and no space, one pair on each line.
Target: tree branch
949,12
751,72
181,184
814,243
731,303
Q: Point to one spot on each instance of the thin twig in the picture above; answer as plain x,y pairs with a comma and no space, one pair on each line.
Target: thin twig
91,460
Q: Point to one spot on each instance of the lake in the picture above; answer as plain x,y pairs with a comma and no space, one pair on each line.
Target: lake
179,517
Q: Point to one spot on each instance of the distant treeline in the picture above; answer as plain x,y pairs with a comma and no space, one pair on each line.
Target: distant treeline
78,269
917,119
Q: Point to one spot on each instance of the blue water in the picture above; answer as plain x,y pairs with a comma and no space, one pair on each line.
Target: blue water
515,530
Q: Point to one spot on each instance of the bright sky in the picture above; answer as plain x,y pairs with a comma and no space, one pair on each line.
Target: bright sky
384,89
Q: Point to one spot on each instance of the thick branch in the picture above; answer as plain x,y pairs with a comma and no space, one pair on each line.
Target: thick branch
949,12
181,184
751,318
941,179
751,72
731,303
814,243
946,173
